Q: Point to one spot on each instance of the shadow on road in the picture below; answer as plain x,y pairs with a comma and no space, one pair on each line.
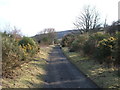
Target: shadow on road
62,74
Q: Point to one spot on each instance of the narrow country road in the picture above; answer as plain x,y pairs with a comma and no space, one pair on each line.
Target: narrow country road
62,74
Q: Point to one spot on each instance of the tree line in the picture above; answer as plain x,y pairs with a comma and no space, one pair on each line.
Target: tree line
99,42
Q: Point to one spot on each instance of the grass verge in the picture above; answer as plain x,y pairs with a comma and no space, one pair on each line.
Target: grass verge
103,76
31,74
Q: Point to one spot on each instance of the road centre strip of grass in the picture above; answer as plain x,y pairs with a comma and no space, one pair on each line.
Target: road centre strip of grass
30,75
103,76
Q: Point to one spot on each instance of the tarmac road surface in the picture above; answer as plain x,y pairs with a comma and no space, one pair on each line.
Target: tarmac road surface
62,74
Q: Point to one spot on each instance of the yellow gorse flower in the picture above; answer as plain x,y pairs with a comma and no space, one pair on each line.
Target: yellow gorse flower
107,42
29,47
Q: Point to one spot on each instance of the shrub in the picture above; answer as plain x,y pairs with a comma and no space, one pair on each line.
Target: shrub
26,40
98,36
74,46
67,40
88,47
56,41
28,45
78,43
10,55
45,40
92,41
105,49
117,49
13,55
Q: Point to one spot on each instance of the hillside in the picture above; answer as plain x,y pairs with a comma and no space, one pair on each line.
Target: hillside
59,34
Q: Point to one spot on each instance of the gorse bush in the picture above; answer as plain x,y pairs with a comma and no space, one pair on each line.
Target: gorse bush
28,45
78,43
29,50
103,47
98,36
15,53
92,41
105,50
26,40
67,40
117,49
45,40
88,47
74,46
10,55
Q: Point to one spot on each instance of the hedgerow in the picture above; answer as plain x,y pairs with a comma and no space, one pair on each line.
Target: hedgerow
103,47
14,54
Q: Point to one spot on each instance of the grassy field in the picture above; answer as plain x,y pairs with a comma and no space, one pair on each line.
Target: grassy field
31,74
100,74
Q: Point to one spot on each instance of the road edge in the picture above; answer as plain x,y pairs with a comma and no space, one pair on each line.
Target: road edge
78,68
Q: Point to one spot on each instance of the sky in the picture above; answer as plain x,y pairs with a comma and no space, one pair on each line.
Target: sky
32,16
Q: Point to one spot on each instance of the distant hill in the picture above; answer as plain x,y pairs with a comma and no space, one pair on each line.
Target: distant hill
60,34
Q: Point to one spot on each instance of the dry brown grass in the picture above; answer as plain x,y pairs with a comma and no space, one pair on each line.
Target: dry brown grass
31,74
103,76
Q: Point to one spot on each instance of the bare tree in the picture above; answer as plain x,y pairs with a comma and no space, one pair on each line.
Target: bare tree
114,27
105,23
47,36
51,34
16,33
88,20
